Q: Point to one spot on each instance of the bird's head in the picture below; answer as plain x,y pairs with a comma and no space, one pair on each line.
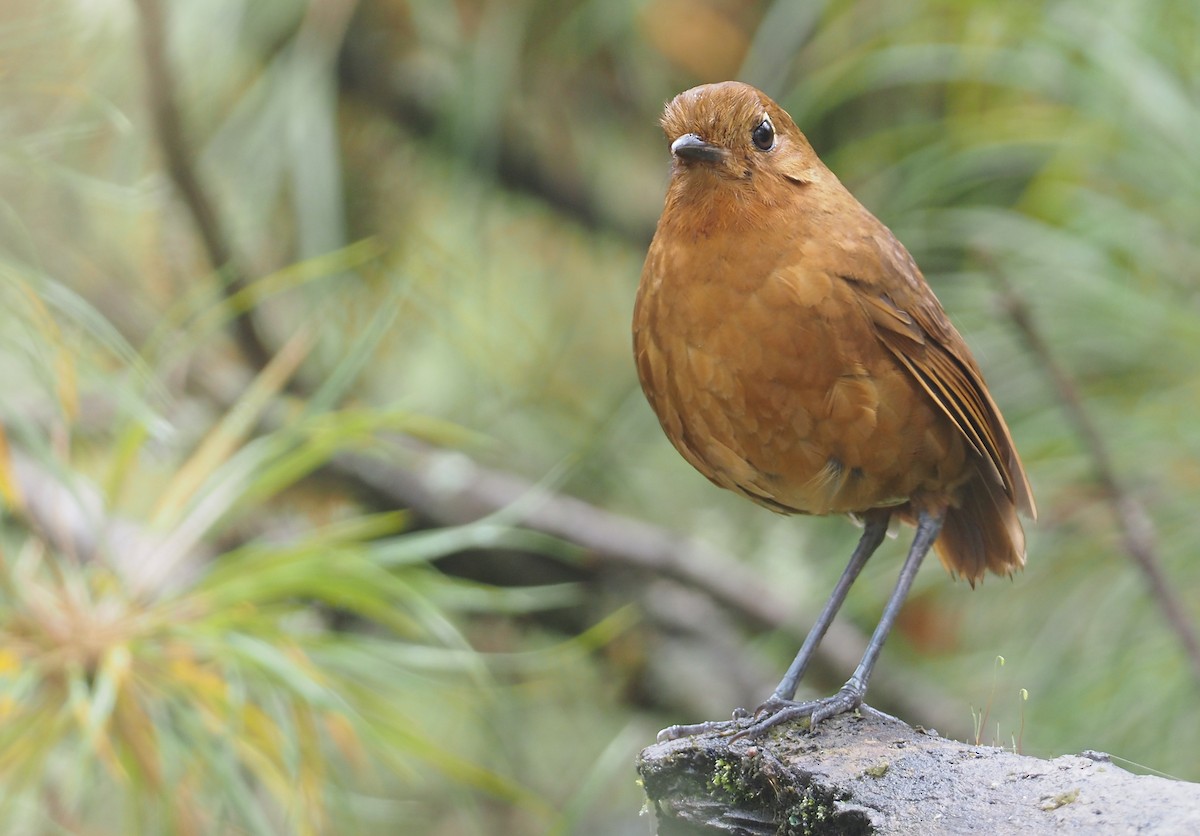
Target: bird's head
736,133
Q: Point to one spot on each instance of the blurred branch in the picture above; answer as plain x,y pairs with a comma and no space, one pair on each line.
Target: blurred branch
325,20
449,488
1136,528
168,124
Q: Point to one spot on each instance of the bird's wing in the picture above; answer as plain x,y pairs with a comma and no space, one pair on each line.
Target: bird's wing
910,322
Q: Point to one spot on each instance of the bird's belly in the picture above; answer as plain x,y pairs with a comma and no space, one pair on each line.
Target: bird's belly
815,417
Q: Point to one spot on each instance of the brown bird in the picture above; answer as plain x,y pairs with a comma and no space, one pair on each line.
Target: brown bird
795,355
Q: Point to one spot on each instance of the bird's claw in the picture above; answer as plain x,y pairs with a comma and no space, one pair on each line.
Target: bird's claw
771,706
776,711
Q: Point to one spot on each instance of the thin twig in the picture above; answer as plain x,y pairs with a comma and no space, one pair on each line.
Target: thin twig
164,109
1136,528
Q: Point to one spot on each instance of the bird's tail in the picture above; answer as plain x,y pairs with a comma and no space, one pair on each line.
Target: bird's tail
982,533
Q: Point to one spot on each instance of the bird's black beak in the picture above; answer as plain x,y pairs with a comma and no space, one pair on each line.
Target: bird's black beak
692,147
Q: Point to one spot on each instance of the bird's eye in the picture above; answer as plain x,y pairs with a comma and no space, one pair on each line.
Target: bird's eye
764,135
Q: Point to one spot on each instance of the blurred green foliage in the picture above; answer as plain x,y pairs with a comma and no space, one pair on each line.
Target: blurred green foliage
443,208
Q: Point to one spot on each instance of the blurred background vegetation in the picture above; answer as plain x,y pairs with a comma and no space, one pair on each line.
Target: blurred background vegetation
315,315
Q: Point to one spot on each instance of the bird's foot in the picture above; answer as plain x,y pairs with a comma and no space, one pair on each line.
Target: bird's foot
776,711
773,712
